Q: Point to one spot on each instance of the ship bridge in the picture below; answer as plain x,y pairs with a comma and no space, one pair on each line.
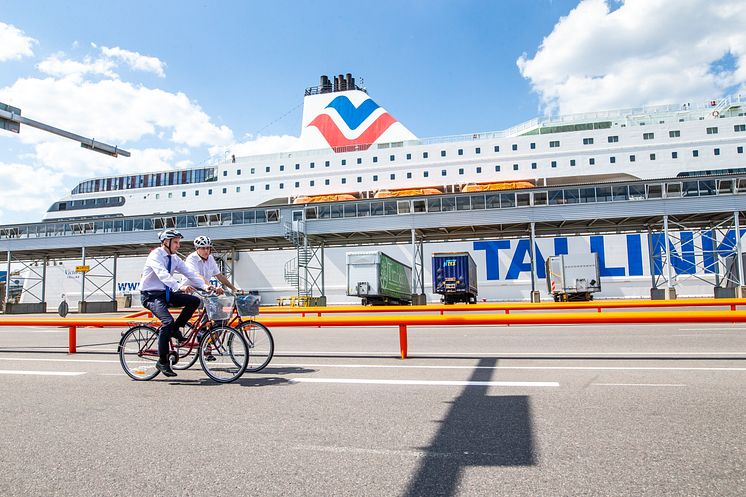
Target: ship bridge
663,206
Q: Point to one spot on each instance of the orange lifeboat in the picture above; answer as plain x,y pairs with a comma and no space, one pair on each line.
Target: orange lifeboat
406,193
490,187
310,199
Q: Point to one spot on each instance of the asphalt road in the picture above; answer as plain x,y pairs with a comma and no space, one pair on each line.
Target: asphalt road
514,411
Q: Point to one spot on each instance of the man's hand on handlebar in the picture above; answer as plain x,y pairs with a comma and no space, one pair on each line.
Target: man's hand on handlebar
186,288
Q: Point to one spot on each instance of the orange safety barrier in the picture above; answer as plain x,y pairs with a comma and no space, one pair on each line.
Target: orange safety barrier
403,321
508,306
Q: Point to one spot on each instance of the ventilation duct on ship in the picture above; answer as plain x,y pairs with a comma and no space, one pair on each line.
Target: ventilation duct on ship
325,85
342,82
350,84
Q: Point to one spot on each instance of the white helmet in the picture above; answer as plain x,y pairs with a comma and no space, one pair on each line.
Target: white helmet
202,241
169,234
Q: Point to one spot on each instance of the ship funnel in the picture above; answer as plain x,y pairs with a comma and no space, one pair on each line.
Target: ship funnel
350,85
325,84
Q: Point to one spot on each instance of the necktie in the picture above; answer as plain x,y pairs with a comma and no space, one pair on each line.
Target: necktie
168,288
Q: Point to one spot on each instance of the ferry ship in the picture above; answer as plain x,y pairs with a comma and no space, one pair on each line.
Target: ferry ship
352,148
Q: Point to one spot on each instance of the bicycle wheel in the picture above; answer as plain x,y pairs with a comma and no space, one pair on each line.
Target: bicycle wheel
138,352
260,342
223,354
189,351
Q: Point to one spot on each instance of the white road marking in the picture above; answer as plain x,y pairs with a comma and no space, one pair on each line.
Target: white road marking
42,373
427,382
638,384
390,452
508,355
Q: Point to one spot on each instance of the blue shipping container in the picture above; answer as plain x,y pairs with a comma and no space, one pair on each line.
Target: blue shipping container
455,277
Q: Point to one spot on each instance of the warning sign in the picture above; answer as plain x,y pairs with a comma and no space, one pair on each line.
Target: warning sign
82,269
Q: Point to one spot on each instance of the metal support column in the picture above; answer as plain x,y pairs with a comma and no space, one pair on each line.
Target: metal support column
739,257
45,261
418,272
323,288
7,281
114,280
82,280
535,294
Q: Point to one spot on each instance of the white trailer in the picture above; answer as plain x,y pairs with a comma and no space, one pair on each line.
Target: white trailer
573,277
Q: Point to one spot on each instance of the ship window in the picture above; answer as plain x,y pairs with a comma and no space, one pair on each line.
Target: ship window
326,181
533,165
297,167
674,155
515,167
424,155
409,156
359,179
409,175
282,186
443,172
739,150
171,194
533,146
554,144
554,163
326,164
717,151
344,162
375,159
267,169
225,173
514,146
461,151
612,160
477,150
225,190
312,164
359,160
344,181
648,136
238,189
497,169
158,195
739,127
674,133
631,158
497,148
282,167
572,162
183,194
591,161
297,184
375,177
695,153
479,169
613,139
652,156
311,183
209,192
442,153
196,193
587,141
425,174
266,187
392,158
712,131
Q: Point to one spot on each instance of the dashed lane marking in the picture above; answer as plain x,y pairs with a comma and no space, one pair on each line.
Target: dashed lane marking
41,373
427,382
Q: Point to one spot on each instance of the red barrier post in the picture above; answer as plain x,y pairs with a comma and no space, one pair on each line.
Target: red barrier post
403,340
72,337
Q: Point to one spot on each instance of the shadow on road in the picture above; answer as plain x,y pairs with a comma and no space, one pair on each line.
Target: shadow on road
478,430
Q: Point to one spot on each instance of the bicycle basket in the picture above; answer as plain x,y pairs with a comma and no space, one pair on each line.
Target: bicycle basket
248,305
219,307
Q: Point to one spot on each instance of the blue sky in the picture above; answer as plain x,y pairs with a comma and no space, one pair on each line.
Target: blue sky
177,81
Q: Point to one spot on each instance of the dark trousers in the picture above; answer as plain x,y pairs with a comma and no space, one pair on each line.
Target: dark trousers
156,303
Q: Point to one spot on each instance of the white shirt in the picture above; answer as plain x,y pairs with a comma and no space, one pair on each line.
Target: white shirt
156,277
205,268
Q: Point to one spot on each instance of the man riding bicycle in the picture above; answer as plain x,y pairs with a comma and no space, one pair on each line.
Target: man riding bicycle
160,290
203,263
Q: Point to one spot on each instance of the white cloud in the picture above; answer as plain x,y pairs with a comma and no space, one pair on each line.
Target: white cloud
113,110
136,60
15,44
27,188
56,65
644,52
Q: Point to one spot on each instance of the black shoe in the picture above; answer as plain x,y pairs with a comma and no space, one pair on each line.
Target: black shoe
209,357
165,369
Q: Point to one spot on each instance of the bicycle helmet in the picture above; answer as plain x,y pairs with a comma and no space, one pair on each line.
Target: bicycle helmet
202,241
169,234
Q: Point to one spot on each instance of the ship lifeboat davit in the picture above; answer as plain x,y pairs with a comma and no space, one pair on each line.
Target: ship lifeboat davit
491,187
410,192
310,199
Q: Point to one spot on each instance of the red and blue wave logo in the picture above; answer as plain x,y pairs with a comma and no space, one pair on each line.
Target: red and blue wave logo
352,117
